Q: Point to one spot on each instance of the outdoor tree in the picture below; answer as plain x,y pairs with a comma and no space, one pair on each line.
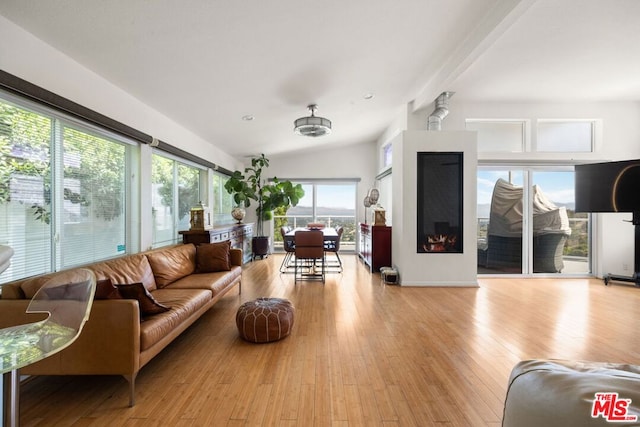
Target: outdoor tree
93,167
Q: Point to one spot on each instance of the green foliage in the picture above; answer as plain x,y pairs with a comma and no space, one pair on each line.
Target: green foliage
281,220
188,184
242,191
24,151
280,194
94,163
250,186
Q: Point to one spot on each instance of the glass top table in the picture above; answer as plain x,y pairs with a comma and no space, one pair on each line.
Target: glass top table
67,299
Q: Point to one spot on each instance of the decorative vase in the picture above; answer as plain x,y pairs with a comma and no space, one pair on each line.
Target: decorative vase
238,214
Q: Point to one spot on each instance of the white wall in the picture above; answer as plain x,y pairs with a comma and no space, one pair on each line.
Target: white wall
430,269
29,58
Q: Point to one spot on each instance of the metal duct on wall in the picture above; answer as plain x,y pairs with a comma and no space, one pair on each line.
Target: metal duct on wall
441,111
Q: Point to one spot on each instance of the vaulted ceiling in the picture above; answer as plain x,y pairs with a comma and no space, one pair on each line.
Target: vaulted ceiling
207,64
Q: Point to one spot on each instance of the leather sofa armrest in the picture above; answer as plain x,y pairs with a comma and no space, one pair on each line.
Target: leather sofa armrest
13,313
236,256
109,344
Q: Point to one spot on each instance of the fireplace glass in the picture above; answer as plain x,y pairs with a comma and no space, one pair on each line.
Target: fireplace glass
440,210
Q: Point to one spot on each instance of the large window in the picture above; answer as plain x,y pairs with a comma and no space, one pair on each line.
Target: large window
551,135
63,191
175,190
70,189
506,136
527,222
332,203
222,201
526,215
566,136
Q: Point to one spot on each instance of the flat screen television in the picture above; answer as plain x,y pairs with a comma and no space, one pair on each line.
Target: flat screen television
608,187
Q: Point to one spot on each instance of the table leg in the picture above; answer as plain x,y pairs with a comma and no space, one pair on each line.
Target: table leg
11,398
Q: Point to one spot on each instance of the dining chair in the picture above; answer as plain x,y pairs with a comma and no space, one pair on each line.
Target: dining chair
288,243
333,246
309,250
66,300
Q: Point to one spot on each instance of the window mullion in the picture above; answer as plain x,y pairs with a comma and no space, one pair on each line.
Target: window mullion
315,202
176,195
527,225
57,194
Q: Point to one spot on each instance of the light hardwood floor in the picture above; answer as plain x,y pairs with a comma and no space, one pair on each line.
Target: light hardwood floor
360,354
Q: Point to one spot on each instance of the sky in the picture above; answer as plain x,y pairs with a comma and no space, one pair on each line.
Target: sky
331,196
557,186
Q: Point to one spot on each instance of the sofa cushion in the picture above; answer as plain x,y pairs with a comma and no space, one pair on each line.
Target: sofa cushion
184,303
127,269
215,282
67,291
213,257
146,301
32,285
171,264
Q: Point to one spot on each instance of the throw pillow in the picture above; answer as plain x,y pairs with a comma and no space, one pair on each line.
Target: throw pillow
105,289
148,304
212,257
68,291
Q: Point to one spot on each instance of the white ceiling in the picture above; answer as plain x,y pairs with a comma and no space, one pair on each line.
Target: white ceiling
207,63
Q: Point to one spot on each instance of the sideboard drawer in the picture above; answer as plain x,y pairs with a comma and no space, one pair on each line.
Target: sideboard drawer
238,234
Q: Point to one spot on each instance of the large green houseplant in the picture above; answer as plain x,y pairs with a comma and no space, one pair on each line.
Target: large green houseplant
251,185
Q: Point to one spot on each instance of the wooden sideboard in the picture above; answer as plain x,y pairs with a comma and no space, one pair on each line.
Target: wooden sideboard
239,234
375,246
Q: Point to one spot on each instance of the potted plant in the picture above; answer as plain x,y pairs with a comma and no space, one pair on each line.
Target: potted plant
251,185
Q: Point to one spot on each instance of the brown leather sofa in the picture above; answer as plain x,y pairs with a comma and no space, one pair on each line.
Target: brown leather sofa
116,339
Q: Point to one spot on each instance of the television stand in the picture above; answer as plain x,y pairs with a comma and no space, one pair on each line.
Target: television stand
635,279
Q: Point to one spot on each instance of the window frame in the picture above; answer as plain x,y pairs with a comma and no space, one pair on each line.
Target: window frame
594,128
347,244
58,122
220,217
525,125
202,192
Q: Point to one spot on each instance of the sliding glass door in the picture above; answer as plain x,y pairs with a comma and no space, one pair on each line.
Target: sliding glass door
527,223
331,203
500,224
568,251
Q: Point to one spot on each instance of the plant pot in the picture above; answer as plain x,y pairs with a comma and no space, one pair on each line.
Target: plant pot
260,246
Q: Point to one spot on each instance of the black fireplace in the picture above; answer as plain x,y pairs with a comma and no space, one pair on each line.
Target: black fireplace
440,208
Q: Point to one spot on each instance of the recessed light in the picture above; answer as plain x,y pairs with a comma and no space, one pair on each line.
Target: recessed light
248,118
368,95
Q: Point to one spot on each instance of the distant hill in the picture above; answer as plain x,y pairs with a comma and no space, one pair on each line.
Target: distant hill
308,211
485,208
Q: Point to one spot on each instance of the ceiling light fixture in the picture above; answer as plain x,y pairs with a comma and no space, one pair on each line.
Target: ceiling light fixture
312,125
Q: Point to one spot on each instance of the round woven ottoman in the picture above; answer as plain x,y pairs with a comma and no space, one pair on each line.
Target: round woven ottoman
265,319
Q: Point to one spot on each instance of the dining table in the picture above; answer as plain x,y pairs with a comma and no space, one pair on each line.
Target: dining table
330,234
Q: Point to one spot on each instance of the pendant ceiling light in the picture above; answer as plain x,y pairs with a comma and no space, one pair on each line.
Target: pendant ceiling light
312,125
